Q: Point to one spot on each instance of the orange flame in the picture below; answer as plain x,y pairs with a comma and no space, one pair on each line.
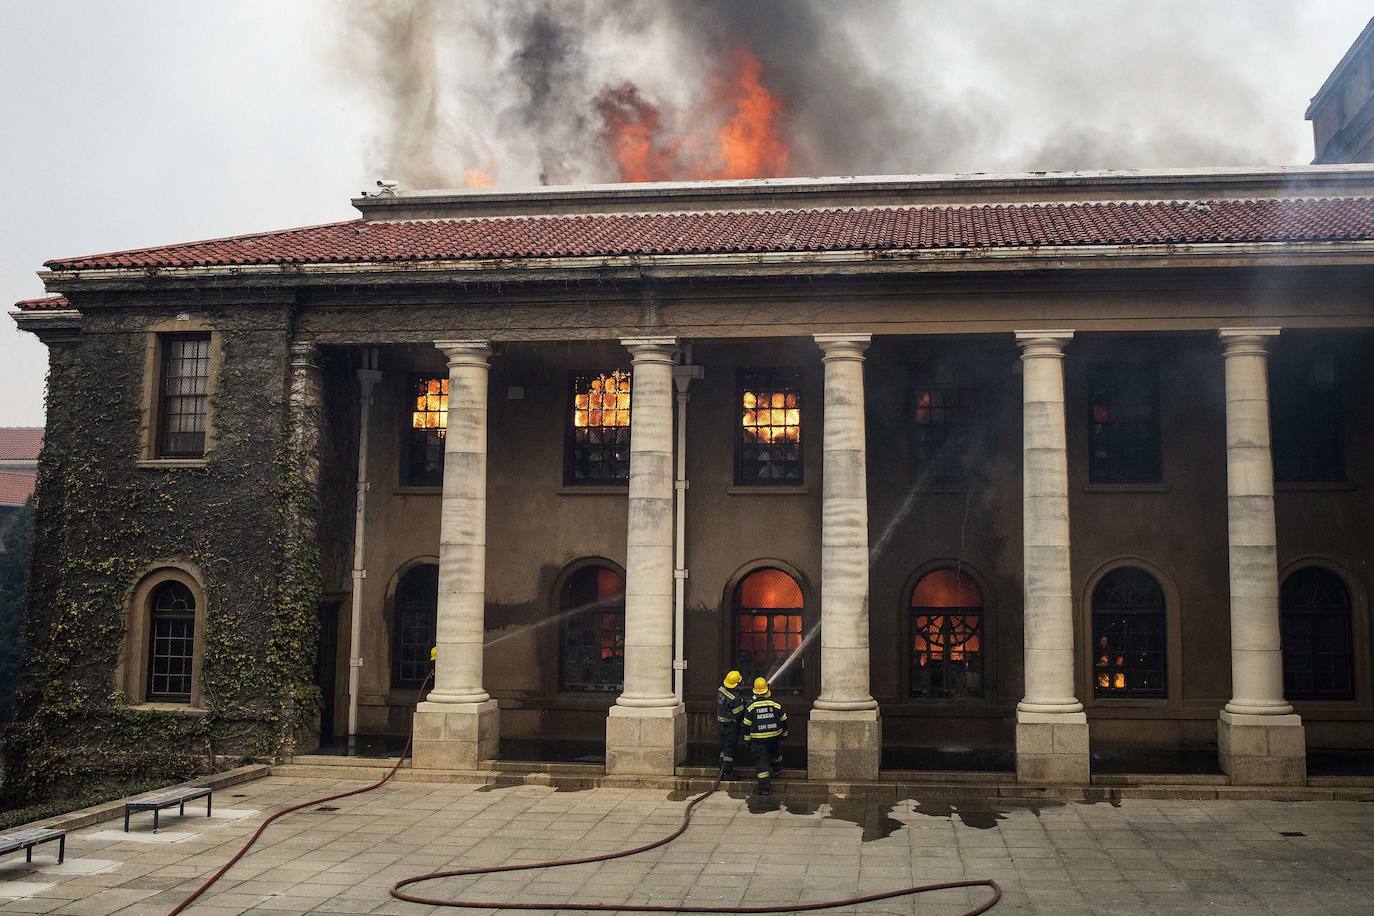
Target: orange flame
740,133
476,178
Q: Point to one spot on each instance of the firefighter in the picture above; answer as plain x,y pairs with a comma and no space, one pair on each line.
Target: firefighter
764,726
729,708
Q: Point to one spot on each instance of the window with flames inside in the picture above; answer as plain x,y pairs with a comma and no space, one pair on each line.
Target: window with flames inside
768,630
947,636
599,437
769,451
428,426
593,607
1128,636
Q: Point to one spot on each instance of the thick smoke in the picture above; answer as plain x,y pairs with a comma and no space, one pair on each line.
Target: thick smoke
524,90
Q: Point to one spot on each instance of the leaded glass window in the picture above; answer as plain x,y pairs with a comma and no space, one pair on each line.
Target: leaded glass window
946,636
1305,404
768,630
1318,661
770,446
599,428
428,425
416,619
1129,648
184,395
945,423
593,608
172,643
1123,437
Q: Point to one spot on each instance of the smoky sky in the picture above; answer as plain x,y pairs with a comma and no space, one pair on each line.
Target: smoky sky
867,86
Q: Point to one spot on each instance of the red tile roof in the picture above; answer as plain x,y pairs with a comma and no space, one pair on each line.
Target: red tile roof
46,303
15,489
760,231
20,443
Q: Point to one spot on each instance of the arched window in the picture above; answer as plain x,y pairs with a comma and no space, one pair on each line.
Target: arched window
768,629
1128,635
592,605
946,636
1318,662
171,643
415,619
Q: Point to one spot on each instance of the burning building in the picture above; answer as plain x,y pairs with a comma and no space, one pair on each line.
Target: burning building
1039,467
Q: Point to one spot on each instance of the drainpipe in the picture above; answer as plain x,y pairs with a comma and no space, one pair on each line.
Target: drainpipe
368,376
682,377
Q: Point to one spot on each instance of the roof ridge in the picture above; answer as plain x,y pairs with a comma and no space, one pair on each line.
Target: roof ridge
209,241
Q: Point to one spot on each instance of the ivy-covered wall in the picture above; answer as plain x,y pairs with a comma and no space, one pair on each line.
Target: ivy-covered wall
245,521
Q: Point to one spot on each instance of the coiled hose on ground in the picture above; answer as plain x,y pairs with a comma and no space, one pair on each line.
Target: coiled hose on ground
398,893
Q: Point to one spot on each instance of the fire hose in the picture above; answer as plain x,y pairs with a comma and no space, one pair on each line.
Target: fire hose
398,893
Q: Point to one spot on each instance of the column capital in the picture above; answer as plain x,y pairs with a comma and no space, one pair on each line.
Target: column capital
466,352
1046,343
304,354
1246,341
843,346
651,349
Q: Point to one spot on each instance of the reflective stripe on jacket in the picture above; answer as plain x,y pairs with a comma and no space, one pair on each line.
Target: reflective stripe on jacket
728,705
764,718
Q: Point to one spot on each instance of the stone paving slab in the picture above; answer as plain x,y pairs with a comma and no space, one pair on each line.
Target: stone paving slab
1050,855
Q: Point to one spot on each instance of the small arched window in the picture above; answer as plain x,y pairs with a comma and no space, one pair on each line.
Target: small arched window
415,621
592,605
946,636
1318,661
171,643
768,610
1129,657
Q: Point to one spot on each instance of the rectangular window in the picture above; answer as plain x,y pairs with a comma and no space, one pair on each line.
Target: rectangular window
945,424
170,655
184,395
424,465
769,450
1123,436
594,650
598,439
1305,406
763,641
947,652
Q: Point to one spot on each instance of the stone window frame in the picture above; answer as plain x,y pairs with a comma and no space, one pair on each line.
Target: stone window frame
988,634
1360,634
156,336
131,674
556,611
1173,640
404,691
811,617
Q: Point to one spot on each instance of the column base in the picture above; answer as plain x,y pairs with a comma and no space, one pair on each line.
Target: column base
455,736
645,741
1262,750
843,744
1052,748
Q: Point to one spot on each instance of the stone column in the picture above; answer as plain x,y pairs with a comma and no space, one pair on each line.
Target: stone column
646,730
1259,738
300,548
458,724
844,736
1051,727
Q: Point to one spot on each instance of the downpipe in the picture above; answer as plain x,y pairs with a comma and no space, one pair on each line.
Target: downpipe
682,378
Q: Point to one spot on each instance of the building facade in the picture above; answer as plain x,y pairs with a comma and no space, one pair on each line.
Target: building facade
1052,468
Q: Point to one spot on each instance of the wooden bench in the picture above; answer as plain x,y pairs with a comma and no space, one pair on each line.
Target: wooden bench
27,839
156,803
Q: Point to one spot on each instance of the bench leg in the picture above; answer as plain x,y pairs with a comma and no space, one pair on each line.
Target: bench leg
181,812
207,806
126,820
156,812
28,853
61,849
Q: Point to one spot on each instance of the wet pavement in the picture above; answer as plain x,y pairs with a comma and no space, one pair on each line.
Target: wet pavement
1136,856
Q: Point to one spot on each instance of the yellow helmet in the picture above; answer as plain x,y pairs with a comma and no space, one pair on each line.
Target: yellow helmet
434,653
732,679
760,687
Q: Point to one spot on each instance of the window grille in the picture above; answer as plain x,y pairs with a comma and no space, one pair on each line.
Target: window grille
1124,436
769,450
172,643
424,465
593,609
1318,660
1129,648
185,395
416,618
1305,407
768,630
599,432
945,423
947,636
